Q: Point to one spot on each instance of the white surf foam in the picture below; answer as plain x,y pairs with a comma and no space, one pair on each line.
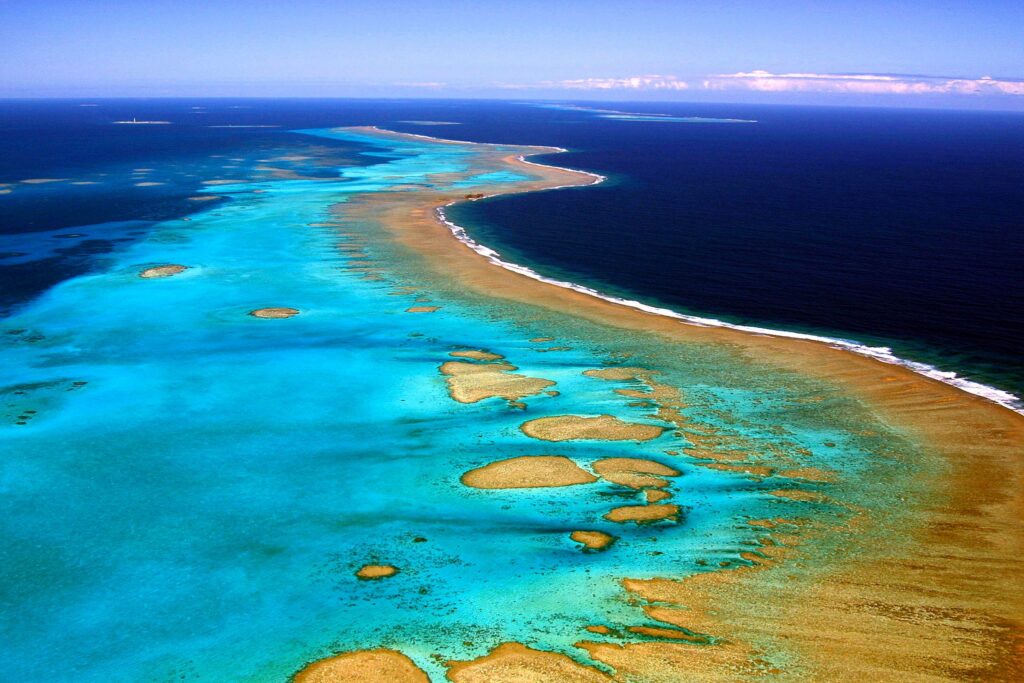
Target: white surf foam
881,353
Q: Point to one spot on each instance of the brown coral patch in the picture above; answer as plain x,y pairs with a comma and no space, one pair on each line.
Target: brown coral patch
274,312
376,571
642,513
472,382
528,471
592,540
363,666
515,663
634,473
476,354
600,428
162,271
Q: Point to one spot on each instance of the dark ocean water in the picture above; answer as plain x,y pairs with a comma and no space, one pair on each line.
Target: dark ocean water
895,227
891,227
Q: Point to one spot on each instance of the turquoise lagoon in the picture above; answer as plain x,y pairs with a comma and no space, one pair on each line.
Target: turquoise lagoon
616,115
188,490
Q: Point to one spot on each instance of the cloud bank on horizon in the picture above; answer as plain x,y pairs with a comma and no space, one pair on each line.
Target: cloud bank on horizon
864,84
789,51
628,83
767,82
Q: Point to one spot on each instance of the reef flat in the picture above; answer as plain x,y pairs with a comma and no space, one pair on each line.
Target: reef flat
346,491
969,446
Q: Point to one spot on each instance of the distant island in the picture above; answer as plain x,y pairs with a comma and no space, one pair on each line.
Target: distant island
136,122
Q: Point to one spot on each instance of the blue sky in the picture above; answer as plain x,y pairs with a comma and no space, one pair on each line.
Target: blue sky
909,52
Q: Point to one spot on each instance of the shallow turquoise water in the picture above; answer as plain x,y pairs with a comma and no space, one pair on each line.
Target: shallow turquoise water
196,487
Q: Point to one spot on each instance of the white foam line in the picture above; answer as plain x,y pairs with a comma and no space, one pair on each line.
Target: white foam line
547,148
881,353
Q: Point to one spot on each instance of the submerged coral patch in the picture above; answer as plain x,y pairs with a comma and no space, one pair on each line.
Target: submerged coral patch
600,428
162,271
274,312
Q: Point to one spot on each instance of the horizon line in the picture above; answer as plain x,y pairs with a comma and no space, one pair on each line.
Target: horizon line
879,101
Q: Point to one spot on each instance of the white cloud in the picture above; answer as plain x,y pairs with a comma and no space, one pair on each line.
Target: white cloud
764,81
652,82
422,84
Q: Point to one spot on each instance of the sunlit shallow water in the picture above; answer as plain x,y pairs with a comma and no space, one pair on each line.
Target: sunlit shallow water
188,490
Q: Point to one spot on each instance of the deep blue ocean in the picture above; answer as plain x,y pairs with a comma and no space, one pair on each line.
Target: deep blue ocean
902,228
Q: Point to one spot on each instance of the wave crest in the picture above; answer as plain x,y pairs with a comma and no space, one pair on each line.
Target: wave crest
881,353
